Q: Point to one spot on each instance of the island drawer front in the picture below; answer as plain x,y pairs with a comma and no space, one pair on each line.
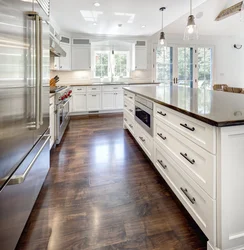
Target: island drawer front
79,89
129,122
112,88
199,164
93,88
144,140
129,96
201,207
199,132
129,107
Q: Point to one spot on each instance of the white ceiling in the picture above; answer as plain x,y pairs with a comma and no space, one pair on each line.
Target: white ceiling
207,25
68,16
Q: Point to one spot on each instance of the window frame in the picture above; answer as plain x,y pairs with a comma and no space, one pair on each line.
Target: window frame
127,53
95,64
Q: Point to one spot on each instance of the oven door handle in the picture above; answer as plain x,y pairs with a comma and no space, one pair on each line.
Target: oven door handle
62,105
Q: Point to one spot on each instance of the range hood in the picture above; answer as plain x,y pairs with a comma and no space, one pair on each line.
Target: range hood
55,48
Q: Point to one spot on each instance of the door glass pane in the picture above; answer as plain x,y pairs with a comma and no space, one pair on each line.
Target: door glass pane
205,80
164,65
185,66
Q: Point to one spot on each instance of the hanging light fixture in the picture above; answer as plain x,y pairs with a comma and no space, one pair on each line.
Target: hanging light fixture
242,12
191,31
162,41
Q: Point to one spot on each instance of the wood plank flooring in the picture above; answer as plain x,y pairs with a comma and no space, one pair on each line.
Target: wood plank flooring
103,193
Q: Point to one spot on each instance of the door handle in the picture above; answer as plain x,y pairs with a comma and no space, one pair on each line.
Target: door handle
41,71
18,179
174,80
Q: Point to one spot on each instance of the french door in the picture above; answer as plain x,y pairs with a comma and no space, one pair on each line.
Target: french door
184,65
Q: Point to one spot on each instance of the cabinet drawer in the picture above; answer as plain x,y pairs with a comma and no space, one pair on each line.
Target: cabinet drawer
129,122
112,88
79,89
93,88
129,96
201,207
129,107
199,132
194,160
145,141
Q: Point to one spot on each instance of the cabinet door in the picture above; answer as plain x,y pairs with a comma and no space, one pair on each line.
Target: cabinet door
79,102
65,62
94,101
52,125
141,58
108,101
119,100
81,58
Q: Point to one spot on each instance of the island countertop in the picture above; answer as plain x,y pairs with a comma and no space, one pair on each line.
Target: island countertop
217,108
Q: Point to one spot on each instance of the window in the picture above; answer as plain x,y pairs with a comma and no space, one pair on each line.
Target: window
205,79
121,64
185,65
101,64
164,65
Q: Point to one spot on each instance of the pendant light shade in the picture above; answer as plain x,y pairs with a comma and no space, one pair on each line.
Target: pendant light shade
191,31
162,40
242,13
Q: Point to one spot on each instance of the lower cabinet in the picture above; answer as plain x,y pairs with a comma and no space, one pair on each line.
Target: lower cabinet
52,121
79,102
94,101
112,100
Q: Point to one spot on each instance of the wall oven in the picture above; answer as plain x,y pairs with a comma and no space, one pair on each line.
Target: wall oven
144,113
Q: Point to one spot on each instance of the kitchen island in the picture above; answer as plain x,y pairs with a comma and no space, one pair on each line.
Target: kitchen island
197,146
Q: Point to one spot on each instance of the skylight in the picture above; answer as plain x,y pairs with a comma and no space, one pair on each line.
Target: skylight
131,16
90,16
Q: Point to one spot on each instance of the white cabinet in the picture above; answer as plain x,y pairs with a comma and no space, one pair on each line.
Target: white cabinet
112,100
141,58
79,102
65,62
56,63
119,100
94,101
52,121
81,58
108,101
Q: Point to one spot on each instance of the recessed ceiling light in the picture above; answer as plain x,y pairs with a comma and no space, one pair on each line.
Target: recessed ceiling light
97,4
94,24
120,25
143,26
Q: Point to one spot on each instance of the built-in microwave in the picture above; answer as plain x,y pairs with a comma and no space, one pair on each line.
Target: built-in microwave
144,113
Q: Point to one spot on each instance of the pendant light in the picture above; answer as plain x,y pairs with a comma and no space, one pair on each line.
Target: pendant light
242,12
191,31
162,41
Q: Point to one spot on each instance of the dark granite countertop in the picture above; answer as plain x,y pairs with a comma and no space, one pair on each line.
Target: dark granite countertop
217,108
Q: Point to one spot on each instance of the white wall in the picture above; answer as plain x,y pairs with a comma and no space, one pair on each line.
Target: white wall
228,61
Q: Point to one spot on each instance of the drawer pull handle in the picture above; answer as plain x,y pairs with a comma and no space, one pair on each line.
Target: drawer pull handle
161,163
185,191
186,157
186,126
125,119
94,88
142,139
125,94
161,136
161,113
131,126
94,95
131,97
115,88
125,106
131,110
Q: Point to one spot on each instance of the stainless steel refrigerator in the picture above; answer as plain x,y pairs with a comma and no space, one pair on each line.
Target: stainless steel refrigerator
24,112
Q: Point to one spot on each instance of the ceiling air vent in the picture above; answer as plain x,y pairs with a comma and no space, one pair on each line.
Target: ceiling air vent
45,4
141,43
77,41
65,40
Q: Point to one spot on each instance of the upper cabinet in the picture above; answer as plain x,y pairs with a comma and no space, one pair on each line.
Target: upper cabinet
65,62
81,54
141,55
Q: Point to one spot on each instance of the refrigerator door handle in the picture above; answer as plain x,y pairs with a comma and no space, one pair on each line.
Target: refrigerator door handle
18,179
38,76
40,71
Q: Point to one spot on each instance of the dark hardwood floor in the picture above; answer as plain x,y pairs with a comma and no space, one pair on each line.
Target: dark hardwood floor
103,193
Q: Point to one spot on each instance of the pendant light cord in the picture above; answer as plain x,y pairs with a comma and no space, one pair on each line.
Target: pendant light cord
162,20
190,7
